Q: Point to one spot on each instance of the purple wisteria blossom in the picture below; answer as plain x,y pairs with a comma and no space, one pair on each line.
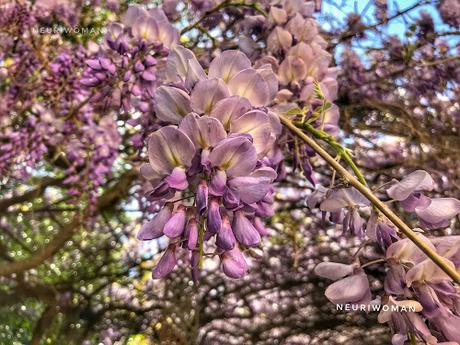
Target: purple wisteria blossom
343,206
433,213
413,276
123,73
214,150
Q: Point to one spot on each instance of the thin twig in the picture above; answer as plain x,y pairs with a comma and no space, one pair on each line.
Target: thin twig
222,5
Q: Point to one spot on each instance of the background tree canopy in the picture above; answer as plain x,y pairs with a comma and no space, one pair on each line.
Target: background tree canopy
89,165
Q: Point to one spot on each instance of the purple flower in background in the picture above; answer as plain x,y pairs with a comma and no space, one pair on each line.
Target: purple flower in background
123,73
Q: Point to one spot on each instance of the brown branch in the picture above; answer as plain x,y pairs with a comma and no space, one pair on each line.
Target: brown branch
107,200
352,33
30,195
42,324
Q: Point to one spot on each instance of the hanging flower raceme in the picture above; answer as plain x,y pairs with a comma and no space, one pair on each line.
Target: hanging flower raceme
209,164
294,40
297,52
123,72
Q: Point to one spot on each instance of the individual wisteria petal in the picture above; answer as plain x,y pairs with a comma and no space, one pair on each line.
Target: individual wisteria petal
160,191
302,29
167,34
395,281
202,197
257,124
254,187
148,173
416,181
171,104
154,228
175,226
231,199
250,84
385,315
266,71
159,15
236,155
420,327
214,219
277,15
218,183
169,148
406,251
317,196
233,263
415,200
355,223
204,131
151,26
277,127
340,198
352,289
427,270
228,64
432,306
245,233
448,326
292,69
225,238
333,270
279,39
166,264
439,212
192,230
177,179
182,65
448,247
133,14
207,93
230,108
386,234
258,224
250,189
145,28
292,7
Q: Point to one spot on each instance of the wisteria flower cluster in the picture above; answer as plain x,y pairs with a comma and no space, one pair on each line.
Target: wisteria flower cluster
123,72
307,81
68,131
412,279
213,153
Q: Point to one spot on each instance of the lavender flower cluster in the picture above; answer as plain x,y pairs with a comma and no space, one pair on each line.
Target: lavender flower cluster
35,127
123,72
210,163
412,279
